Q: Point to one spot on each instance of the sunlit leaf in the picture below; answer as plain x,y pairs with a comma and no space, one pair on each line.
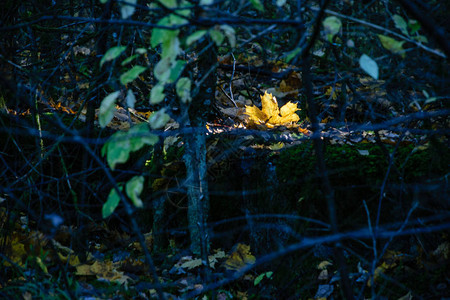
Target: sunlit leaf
288,109
270,115
107,108
111,203
256,116
269,105
369,66
134,188
131,74
112,53
280,3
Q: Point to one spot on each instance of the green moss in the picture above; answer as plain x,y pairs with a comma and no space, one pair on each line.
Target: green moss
356,173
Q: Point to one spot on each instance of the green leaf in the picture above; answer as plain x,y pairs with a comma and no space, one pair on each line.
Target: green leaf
126,9
159,35
159,119
183,88
414,26
421,38
103,1
291,54
111,203
140,135
134,188
369,66
117,149
170,3
217,36
332,26
195,37
131,99
112,53
257,5
280,3
157,94
170,48
131,74
119,146
176,70
162,69
261,277
167,71
129,59
107,108
400,23
230,34
392,45
206,2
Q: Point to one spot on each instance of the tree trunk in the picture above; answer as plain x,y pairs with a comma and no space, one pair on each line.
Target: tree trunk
195,155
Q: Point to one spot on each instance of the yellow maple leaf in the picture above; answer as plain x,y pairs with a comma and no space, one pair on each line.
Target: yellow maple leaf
270,115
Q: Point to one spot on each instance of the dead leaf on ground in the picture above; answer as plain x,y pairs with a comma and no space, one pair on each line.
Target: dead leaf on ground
270,115
239,258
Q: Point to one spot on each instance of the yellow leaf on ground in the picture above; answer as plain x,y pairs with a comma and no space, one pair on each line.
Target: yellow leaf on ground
269,105
289,109
73,259
256,116
271,115
240,258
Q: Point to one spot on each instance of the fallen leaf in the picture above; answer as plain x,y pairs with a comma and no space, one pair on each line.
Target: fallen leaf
270,115
240,258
